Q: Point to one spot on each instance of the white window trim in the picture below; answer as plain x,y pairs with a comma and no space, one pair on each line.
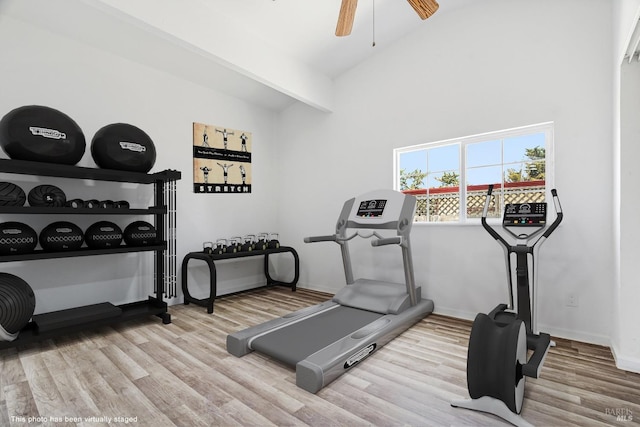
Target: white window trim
546,127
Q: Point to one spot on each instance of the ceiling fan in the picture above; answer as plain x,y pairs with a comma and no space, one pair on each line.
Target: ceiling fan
424,9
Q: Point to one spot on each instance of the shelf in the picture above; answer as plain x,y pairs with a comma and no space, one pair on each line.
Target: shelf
78,319
23,210
40,254
54,324
78,172
232,255
57,320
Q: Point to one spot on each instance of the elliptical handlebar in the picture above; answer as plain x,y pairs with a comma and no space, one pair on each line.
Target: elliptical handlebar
550,229
559,216
485,211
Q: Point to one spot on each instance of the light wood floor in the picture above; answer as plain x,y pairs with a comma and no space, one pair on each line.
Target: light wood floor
180,374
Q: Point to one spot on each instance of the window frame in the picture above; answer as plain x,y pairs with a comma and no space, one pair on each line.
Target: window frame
547,128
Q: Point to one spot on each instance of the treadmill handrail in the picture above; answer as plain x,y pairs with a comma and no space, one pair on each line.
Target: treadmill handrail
483,220
387,241
339,239
559,215
313,239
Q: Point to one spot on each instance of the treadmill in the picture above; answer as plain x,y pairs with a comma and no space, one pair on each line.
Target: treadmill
325,340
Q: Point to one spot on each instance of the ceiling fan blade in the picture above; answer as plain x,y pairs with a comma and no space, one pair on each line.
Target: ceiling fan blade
424,8
345,19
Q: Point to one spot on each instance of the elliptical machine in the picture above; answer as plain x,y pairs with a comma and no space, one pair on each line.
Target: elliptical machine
497,357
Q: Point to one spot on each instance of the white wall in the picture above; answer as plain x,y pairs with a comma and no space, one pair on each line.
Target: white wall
625,343
96,88
492,66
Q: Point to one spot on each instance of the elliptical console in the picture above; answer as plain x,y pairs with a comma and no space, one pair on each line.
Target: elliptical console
497,357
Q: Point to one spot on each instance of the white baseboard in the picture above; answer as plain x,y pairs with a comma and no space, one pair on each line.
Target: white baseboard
555,332
576,335
324,289
458,314
625,363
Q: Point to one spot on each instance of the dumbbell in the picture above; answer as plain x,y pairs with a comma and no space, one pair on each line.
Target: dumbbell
273,241
107,204
235,245
248,244
221,247
262,243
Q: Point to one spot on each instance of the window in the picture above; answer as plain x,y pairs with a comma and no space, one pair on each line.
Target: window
441,174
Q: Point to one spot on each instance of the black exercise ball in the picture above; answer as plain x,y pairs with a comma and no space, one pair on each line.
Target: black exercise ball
17,304
17,238
41,134
61,236
103,234
48,196
124,147
140,233
11,195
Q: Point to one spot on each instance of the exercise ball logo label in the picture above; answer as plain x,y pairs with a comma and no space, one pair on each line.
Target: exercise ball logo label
361,354
12,231
64,230
47,133
133,146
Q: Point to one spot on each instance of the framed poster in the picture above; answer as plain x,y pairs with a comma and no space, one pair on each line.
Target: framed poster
221,159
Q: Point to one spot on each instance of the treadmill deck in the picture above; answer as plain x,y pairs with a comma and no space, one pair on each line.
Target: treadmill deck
299,340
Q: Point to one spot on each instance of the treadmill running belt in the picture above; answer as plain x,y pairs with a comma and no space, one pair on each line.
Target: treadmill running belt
295,342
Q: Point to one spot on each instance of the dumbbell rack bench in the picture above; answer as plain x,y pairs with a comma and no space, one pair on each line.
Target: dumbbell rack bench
210,259
50,325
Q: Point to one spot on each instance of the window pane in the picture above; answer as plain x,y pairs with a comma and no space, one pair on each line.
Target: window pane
413,165
476,197
444,158
484,153
478,180
485,175
476,200
444,204
525,171
444,179
524,192
520,148
516,164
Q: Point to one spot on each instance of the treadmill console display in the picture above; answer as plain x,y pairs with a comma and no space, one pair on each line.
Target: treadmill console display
371,208
525,215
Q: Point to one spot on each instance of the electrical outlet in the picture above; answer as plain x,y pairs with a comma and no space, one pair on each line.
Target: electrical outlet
573,300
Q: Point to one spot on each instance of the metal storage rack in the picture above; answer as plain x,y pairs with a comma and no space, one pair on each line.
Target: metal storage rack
50,325
210,259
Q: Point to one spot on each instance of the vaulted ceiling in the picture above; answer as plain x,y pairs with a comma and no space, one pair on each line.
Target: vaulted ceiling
270,52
